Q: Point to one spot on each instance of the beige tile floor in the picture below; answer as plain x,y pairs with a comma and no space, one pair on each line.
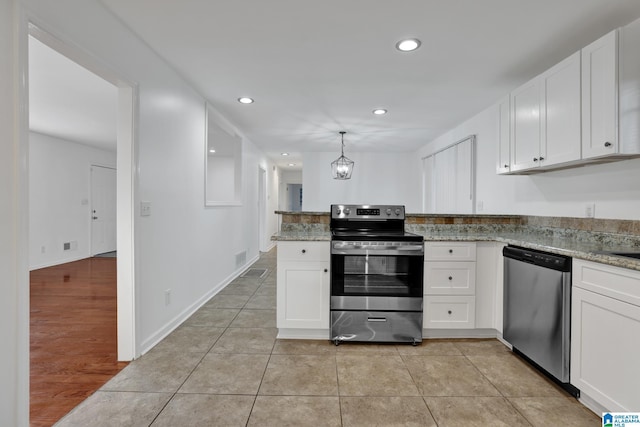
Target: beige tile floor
225,367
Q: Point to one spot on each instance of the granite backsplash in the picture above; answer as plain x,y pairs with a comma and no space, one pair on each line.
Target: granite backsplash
600,231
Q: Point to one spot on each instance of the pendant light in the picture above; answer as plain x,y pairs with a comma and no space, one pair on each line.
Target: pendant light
342,167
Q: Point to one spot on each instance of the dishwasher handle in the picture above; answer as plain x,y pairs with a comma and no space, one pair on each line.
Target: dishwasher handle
543,259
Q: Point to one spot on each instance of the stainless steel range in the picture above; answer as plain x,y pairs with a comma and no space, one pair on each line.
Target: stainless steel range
376,275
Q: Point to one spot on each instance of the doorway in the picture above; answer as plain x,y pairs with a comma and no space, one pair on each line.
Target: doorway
262,208
125,195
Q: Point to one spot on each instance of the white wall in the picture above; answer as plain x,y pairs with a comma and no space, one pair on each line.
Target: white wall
14,292
613,187
60,198
378,178
181,246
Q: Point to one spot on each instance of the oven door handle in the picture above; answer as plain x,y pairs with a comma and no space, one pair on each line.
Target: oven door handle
402,250
391,252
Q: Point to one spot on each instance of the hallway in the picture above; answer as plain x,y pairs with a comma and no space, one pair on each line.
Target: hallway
73,335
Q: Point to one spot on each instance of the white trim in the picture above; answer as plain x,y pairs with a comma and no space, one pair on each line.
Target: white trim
459,333
303,334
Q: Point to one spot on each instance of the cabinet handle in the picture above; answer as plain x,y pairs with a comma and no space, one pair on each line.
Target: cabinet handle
450,278
535,159
449,311
607,144
506,166
326,270
541,158
450,251
304,251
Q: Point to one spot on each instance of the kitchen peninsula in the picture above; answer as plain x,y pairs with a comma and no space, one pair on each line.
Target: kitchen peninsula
605,301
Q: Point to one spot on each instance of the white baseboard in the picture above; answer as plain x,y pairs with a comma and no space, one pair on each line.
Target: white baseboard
303,334
592,404
170,326
459,333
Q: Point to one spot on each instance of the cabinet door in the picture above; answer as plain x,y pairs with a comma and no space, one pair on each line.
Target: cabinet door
504,151
450,251
561,140
599,97
526,126
449,278
449,312
604,350
303,295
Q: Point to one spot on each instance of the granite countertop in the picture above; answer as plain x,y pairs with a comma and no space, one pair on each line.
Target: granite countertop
587,250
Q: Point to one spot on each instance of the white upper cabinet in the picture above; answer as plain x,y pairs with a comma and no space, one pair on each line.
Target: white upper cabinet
504,137
560,139
611,95
525,126
599,97
583,110
545,118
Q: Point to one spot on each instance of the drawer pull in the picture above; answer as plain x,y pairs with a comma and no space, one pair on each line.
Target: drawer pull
450,251
304,251
449,311
326,270
450,278
607,144
377,319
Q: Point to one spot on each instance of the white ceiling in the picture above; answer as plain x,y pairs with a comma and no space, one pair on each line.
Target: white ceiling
318,67
68,101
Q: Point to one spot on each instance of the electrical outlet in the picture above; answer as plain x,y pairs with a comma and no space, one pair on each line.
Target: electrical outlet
167,297
590,210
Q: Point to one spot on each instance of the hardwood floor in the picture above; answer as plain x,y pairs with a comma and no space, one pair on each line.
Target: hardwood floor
73,335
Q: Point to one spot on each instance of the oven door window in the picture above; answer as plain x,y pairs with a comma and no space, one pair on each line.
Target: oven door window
377,275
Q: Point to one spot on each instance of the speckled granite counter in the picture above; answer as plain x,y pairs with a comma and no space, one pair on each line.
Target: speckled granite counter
576,244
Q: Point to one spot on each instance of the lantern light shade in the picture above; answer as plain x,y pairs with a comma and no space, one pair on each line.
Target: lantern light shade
342,167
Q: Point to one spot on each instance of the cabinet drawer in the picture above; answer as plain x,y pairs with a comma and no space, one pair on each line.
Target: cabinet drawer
450,251
620,283
449,278
449,312
303,251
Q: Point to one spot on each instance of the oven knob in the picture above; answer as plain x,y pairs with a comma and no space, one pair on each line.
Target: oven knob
397,211
388,211
347,211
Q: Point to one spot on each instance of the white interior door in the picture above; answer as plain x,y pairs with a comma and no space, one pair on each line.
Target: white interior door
103,210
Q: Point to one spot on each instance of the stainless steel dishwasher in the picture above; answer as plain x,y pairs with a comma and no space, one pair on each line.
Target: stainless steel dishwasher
537,309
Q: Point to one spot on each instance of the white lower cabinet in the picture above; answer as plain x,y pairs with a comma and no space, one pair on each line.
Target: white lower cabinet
449,312
605,335
303,286
449,285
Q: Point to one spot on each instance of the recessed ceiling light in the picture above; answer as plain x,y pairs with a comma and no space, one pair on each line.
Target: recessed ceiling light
408,45
212,151
379,111
284,154
292,164
245,100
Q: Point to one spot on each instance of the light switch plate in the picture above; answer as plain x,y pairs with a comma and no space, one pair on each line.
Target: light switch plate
145,208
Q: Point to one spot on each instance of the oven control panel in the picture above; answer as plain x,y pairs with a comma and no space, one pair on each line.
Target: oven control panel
371,212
